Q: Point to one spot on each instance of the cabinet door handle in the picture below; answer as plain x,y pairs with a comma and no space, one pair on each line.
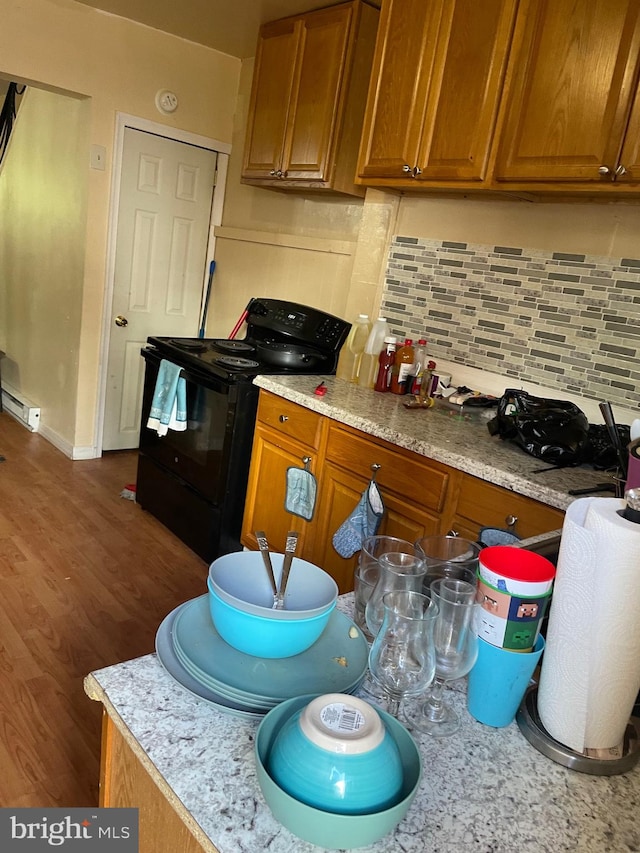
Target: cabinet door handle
511,521
604,170
620,171
279,173
283,419
416,171
273,173
407,169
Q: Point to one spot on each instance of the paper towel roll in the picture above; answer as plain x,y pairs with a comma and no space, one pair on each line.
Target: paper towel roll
590,672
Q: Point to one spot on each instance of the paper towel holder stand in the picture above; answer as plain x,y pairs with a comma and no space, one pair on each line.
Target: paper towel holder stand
531,727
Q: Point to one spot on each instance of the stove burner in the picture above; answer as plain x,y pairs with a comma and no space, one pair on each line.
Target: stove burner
233,346
239,363
188,346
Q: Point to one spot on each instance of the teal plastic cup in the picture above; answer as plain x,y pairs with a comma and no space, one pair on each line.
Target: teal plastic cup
498,681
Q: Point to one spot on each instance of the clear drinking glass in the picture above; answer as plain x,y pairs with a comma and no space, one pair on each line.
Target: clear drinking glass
367,570
456,648
402,657
397,572
448,556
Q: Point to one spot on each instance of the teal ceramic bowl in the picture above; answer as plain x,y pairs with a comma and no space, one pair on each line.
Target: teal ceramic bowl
265,636
335,754
241,580
328,829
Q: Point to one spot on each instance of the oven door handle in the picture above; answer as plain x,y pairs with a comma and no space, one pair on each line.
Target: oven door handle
208,381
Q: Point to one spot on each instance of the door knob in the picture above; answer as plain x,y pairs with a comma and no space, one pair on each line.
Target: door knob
121,321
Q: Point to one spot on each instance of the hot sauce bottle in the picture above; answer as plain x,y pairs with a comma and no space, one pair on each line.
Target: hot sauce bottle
385,363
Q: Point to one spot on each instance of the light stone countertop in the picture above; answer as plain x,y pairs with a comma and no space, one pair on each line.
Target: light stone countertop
440,433
483,790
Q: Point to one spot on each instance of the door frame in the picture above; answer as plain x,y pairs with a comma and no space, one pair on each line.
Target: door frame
223,149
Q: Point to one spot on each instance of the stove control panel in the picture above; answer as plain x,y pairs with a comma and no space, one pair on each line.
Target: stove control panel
306,325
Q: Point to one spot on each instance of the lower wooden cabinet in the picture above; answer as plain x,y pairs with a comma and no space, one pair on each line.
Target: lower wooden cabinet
414,489
421,496
286,436
481,504
125,783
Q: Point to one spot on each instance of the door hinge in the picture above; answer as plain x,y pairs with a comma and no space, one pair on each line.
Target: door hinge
215,178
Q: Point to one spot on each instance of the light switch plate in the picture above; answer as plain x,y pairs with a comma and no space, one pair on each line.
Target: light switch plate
98,157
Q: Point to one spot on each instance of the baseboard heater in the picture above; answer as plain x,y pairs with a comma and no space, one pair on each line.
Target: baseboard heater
23,410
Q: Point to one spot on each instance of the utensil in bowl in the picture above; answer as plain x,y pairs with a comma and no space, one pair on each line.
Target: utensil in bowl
263,545
289,551
335,754
326,829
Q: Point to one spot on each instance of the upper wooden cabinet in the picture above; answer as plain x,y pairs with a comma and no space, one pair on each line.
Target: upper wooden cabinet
522,96
308,97
570,92
433,100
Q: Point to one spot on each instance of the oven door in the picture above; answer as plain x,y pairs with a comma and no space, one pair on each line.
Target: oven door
214,451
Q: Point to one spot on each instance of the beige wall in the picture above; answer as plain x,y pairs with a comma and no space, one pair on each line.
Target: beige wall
42,227
321,250
594,229
119,66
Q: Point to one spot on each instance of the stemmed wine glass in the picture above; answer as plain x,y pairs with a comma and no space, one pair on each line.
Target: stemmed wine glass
456,648
402,657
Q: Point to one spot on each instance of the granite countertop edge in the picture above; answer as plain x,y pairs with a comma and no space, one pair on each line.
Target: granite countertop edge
441,434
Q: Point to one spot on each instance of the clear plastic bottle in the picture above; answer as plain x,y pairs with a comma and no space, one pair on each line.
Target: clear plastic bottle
372,350
352,349
419,363
402,373
385,364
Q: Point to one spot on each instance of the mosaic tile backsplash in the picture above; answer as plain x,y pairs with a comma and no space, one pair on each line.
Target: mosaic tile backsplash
569,322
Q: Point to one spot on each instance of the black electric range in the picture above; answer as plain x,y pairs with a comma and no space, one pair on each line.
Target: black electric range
194,481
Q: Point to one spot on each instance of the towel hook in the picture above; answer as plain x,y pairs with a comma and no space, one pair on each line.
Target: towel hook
374,471
306,461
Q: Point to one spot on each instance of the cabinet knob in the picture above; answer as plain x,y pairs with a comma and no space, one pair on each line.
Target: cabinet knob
416,171
604,170
511,520
273,173
283,419
620,171
407,169
279,173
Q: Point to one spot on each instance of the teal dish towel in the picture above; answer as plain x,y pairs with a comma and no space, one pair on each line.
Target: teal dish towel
169,404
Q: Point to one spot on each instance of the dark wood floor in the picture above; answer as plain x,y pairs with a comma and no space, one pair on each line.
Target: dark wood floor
86,578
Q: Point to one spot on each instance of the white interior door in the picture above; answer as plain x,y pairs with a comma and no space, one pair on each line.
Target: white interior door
162,234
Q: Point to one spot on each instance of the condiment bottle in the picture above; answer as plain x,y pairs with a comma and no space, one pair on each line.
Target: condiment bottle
402,371
352,349
372,350
419,363
385,363
427,376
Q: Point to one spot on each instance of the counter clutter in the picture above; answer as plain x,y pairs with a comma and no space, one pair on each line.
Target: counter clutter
440,433
483,789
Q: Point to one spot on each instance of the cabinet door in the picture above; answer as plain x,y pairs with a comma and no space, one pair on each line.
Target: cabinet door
340,493
317,96
402,66
437,80
570,87
273,81
481,504
265,509
465,88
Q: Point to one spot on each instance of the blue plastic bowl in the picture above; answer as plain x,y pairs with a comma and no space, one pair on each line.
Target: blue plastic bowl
329,830
264,636
335,754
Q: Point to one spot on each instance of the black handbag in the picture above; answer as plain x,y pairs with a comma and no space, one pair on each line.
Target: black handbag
555,431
